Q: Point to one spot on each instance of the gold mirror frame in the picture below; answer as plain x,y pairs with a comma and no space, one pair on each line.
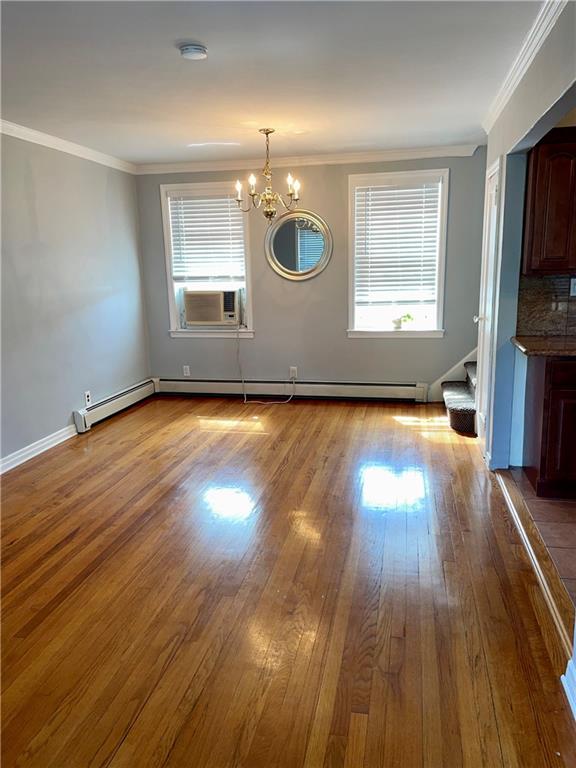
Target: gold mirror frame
323,228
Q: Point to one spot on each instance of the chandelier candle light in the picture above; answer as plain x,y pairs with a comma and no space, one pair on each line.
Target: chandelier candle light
269,199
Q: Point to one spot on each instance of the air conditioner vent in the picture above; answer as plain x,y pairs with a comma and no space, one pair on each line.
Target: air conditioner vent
230,301
211,307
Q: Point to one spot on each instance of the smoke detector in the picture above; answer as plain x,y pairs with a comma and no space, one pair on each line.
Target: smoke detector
193,51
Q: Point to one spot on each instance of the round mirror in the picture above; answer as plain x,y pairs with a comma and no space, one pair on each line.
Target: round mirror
298,245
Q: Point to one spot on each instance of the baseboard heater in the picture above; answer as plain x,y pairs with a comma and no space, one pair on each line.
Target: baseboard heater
85,417
323,389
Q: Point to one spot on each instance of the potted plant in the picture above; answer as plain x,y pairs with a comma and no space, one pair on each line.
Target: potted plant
397,324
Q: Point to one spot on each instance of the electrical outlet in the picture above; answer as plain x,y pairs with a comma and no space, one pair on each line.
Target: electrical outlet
87,398
573,286
293,372
186,370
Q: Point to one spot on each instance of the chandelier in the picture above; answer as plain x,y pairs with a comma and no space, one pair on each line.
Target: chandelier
268,199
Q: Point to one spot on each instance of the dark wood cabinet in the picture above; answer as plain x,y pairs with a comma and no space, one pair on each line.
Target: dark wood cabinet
550,210
550,426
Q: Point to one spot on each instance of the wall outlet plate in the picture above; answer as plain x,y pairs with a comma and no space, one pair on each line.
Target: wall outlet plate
186,370
293,372
87,398
573,286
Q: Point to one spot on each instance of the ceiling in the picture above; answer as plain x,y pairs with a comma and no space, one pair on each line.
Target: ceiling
329,76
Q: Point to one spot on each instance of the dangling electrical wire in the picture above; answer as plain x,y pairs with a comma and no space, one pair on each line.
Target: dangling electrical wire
244,394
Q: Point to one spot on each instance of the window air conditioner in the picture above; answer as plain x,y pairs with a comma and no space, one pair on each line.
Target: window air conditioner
212,307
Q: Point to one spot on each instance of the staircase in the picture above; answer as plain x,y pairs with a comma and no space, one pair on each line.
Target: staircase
460,399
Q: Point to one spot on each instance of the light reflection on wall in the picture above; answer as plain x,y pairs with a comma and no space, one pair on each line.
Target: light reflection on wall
230,503
385,489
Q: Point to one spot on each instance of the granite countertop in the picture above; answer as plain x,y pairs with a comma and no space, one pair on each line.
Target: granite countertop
546,346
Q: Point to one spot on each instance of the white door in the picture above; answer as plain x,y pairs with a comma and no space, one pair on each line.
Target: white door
485,316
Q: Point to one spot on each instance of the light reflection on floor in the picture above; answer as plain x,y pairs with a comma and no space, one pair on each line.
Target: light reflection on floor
303,527
268,651
385,489
230,503
433,422
251,425
435,428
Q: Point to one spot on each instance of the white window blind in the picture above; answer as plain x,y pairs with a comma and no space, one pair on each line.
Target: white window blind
397,232
207,238
310,248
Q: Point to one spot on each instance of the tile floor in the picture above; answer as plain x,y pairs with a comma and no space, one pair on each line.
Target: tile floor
556,521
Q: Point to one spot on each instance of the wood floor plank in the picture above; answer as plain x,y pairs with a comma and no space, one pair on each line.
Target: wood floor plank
326,584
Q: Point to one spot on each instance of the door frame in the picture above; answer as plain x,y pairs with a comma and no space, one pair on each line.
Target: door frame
491,265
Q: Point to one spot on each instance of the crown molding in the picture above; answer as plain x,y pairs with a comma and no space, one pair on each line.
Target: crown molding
543,25
62,145
342,158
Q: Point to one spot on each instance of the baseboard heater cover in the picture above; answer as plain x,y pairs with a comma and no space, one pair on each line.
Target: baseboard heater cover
86,417
417,392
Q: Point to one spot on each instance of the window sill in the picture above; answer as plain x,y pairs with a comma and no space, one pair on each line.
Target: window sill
438,334
212,333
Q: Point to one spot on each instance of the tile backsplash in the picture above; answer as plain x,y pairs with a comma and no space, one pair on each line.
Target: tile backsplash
545,307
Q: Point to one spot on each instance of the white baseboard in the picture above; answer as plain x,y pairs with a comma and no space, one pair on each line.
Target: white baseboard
455,373
29,451
569,683
84,419
416,392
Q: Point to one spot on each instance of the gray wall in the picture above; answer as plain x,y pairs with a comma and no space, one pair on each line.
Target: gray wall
72,310
544,95
305,323
549,77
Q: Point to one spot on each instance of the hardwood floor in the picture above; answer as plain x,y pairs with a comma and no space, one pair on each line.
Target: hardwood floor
199,583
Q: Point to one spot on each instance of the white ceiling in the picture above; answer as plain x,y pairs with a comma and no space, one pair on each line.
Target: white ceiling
329,76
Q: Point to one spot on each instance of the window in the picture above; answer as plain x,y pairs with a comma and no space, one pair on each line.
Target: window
397,236
310,248
206,237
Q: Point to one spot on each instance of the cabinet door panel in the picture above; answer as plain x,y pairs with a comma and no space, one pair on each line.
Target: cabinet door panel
550,231
560,457
560,176
562,373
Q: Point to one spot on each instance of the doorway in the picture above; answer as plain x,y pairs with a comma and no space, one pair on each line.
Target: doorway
487,309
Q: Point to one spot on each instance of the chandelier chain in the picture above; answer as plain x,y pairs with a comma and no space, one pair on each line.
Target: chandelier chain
267,172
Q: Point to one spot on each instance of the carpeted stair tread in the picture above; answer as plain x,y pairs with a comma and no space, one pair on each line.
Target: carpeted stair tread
457,395
471,372
461,405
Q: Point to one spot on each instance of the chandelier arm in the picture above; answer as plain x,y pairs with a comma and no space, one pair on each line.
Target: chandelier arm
244,210
288,206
